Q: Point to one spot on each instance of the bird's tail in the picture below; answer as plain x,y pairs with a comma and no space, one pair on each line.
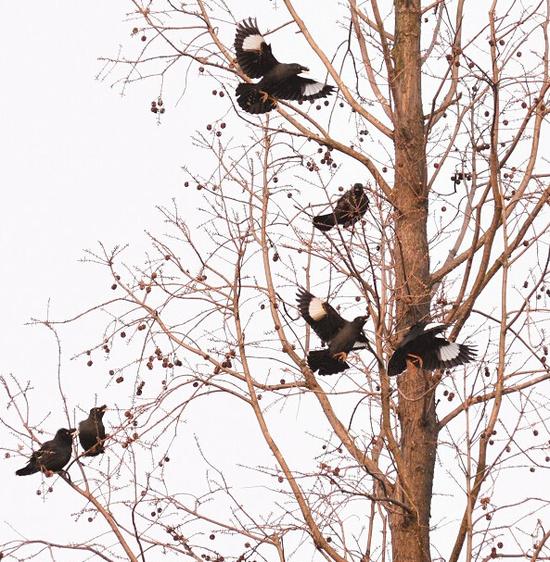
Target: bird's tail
322,361
252,100
324,222
26,470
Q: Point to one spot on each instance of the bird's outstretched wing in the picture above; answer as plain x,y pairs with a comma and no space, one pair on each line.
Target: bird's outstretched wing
449,354
300,89
253,53
324,320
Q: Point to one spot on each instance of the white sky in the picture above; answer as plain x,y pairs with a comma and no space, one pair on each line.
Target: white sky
79,162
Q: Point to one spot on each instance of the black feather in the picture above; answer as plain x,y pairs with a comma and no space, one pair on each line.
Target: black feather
253,62
52,456
341,336
251,100
348,209
321,360
91,432
421,342
278,80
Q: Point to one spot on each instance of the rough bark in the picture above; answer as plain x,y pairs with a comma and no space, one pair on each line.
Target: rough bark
416,408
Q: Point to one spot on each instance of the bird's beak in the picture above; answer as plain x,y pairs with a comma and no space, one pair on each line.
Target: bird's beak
103,408
304,69
73,431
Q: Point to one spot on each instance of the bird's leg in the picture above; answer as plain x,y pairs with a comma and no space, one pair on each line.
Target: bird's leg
341,356
416,360
264,97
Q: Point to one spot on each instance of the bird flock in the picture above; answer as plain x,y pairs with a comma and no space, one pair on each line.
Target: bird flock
53,455
421,345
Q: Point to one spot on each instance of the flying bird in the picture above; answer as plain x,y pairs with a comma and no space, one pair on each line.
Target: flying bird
91,432
341,336
426,351
278,80
348,209
52,456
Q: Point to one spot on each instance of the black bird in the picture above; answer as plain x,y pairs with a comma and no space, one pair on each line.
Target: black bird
91,432
278,80
348,210
52,456
426,351
340,335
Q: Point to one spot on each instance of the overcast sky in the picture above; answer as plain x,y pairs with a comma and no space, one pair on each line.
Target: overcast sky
79,162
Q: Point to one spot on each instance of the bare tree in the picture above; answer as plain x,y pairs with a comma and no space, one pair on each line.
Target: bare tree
444,111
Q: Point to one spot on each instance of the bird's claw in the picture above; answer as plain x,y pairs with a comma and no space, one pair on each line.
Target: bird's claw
416,360
341,356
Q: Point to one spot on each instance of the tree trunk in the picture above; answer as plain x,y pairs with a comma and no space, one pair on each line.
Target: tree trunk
416,408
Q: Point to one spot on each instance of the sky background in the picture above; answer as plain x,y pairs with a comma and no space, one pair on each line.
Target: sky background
80,163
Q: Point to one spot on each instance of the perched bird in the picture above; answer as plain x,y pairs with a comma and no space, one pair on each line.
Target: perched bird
52,456
91,432
278,80
426,351
348,210
341,336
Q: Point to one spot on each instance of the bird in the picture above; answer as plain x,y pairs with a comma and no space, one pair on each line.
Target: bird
52,456
278,80
341,336
421,346
348,209
91,432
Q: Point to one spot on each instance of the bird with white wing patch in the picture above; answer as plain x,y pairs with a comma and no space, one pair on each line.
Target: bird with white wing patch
278,80
341,336
421,347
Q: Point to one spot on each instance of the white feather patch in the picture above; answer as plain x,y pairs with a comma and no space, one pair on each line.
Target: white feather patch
312,89
432,325
316,310
252,43
449,352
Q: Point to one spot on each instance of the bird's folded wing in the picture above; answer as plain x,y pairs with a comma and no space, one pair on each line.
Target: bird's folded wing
43,454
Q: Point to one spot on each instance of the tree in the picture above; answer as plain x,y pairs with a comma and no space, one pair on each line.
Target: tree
452,107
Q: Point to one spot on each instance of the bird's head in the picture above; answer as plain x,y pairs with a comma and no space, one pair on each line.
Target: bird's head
360,320
98,411
358,188
298,68
65,434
